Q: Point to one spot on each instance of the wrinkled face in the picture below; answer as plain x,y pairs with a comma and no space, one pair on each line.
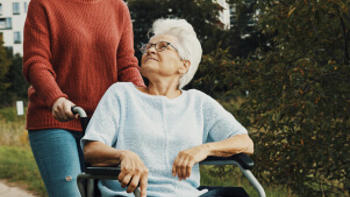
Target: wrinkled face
161,58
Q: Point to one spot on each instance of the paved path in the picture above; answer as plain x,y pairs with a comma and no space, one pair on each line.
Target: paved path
11,191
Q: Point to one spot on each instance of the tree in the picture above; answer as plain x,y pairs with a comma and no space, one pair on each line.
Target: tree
298,105
18,85
201,14
5,63
12,83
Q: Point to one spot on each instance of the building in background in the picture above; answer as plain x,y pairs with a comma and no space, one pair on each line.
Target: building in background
12,17
224,15
13,14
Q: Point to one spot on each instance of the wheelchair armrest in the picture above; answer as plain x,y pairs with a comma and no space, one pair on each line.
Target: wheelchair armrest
242,159
103,171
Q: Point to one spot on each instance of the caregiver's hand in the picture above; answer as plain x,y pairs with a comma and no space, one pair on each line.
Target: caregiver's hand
61,110
133,172
184,161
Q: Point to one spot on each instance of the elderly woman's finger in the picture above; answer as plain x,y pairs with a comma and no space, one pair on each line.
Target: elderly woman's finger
189,168
174,168
126,180
133,183
181,169
186,167
177,169
121,176
143,184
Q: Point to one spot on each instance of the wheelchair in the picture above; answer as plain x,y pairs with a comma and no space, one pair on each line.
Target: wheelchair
87,180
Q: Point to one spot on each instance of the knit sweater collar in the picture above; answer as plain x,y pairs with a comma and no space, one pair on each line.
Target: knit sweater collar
86,1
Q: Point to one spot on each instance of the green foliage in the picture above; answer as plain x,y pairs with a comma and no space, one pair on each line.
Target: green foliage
200,13
244,37
298,105
18,84
9,114
13,85
5,63
214,76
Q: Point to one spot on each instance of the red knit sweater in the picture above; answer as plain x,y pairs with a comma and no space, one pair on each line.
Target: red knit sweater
75,49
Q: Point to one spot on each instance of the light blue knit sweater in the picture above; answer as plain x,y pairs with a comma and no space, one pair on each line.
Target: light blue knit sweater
157,128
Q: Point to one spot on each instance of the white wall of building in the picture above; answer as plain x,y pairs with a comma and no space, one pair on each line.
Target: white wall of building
12,17
224,15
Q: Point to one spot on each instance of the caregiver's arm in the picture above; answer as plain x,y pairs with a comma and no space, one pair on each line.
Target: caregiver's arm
133,171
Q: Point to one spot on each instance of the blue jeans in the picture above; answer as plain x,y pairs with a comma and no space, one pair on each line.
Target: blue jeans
59,160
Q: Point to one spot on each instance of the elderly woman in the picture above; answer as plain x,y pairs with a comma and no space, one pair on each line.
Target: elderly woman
158,134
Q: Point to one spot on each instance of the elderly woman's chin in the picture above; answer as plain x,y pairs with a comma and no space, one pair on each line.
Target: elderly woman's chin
147,69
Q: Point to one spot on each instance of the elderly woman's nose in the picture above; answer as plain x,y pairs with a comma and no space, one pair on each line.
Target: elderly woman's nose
152,49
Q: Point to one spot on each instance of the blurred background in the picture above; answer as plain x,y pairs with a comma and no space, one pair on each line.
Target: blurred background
282,68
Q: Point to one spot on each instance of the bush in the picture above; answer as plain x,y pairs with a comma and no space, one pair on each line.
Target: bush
299,96
293,93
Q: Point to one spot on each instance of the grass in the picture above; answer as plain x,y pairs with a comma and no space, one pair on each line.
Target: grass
12,128
18,165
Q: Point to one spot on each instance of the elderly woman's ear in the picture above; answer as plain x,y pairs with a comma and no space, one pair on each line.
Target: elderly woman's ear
183,69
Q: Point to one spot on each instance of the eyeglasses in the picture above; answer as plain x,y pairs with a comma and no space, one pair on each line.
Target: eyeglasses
159,46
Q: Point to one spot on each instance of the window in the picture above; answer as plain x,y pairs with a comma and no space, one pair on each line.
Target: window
25,7
15,8
9,49
5,23
17,39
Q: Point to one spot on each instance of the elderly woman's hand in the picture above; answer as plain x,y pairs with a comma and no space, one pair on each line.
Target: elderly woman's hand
184,161
133,172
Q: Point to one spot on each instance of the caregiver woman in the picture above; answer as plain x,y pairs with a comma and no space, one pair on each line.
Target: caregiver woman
73,51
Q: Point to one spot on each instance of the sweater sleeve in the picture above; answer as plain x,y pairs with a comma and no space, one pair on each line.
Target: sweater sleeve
104,124
219,124
128,69
37,67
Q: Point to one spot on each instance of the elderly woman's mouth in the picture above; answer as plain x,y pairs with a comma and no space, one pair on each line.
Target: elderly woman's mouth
151,59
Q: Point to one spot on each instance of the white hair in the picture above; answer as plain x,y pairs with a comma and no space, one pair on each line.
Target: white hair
189,47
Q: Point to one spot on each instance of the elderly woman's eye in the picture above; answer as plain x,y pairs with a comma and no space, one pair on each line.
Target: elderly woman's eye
148,46
162,45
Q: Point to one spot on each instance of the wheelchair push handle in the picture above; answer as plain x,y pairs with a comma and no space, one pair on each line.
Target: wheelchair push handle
84,120
79,110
